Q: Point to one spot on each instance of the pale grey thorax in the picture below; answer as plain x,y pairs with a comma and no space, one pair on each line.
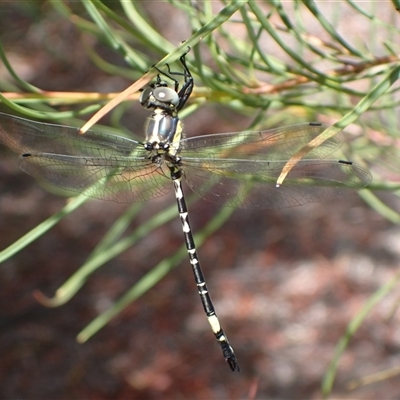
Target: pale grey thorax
164,129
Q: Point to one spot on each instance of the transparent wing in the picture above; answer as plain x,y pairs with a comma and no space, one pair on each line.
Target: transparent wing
25,136
117,178
241,169
252,184
236,168
272,144
101,165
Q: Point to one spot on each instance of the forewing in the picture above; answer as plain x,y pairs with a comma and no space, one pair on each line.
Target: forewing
25,136
274,144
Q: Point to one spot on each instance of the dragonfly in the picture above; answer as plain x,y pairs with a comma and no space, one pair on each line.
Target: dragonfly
238,169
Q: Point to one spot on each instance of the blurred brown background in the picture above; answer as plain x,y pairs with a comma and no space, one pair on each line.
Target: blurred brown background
285,283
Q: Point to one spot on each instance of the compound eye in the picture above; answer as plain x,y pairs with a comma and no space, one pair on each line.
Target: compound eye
144,96
166,95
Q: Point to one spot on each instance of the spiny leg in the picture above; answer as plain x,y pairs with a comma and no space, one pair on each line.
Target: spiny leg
187,88
219,333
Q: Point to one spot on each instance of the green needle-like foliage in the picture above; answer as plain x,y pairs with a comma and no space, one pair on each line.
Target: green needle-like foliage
277,62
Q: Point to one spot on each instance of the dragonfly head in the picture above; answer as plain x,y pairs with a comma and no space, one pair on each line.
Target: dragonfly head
159,96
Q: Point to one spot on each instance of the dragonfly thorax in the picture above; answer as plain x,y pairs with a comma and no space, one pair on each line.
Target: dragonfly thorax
162,130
